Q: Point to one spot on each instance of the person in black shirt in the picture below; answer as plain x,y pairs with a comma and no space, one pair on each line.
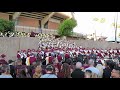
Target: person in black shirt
109,65
12,68
78,73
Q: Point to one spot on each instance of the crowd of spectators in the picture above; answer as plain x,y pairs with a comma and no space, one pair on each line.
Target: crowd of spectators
59,58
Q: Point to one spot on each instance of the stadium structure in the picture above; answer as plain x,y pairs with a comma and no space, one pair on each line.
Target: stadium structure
48,22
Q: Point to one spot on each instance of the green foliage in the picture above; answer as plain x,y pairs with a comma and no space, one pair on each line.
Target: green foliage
6,26
66,28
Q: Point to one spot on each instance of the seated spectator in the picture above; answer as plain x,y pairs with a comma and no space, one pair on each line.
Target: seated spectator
94,75
38,71
5,72
31,69
19,68
65,71
88,74
92,68
49,72
100,68
85,65
107,71
24,73
115,72
12,68
78,73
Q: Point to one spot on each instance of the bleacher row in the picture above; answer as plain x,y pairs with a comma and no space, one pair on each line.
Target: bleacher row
23,34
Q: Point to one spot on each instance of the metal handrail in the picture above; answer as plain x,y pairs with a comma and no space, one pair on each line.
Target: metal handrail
36,29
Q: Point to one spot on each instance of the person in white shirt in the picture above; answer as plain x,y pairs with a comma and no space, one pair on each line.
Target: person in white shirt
92,68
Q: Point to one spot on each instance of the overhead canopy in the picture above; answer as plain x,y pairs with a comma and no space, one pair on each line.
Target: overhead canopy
41,15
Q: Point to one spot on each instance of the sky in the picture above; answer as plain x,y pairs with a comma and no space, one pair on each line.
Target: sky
86,24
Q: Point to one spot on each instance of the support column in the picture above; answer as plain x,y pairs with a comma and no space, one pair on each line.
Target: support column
45,19
15,16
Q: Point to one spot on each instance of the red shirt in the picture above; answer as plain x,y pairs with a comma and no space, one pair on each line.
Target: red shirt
67,55
32,59
18,56
2,61
59,58
50,59
60,75
57,66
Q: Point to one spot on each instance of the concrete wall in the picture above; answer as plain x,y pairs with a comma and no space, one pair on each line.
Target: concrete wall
96,44
10,46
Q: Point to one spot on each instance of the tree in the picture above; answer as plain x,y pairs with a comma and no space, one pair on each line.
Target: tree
66,27
6,26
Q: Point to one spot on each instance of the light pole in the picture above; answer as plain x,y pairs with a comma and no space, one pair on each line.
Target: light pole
94,34
72,13
116,27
